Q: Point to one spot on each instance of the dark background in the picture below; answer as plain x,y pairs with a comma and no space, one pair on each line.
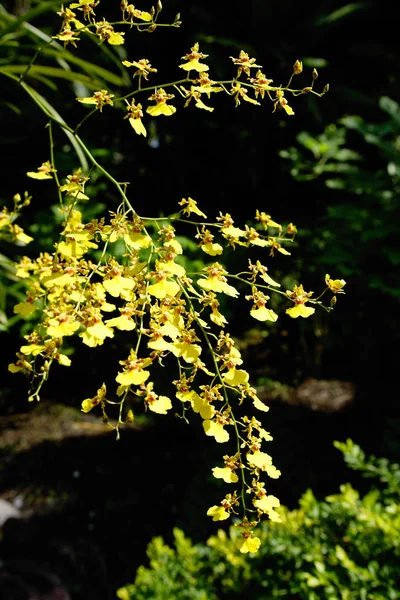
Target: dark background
228,161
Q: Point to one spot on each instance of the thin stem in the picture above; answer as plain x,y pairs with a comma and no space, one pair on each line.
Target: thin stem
52,161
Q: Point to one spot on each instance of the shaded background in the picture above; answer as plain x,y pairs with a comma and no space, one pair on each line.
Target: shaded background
108,498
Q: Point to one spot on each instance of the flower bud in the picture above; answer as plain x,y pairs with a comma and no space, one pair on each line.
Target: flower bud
326,89
298,67
314,74
159,6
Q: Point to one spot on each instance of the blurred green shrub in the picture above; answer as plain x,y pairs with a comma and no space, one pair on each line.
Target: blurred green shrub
360,163
345,547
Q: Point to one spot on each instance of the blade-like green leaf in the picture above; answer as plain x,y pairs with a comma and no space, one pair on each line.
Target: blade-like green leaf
87,66
47,71
341,13
15,22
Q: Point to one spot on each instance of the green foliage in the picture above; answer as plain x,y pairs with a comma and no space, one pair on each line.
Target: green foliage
362,217
181,572
345,547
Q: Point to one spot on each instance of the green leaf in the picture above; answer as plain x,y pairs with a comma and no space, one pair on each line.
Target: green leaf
102,74
341,13
15,22
391,107
38,70
49,110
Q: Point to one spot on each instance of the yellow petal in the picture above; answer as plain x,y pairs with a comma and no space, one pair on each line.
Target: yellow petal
90,100
212,428
251,545
264,314
266,503
269,280
218,513
212,249
116,39
289,110
57,329
162,345
235,377
260,405
300,310
138,126
195,65
137,241
123,323
200,104
200,405
63,360
161,109
161,405
133,377
33,349
116,285
189,352
163,289
23,238
142,15
39,175
259,459
100,331
24,308
173,268
226,474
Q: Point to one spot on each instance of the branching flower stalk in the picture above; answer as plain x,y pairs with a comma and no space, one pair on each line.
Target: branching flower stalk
172,318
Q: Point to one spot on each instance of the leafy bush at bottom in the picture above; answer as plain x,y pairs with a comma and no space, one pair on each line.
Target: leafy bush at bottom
346,547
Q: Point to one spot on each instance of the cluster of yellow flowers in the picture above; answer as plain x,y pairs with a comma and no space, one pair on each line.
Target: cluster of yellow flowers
9,230
192,88
201,85
173,316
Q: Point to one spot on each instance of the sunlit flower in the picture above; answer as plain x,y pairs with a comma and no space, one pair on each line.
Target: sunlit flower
24,308
261,83
239,93
266,220
335,285
99,398
99,99
43,172
214,428
157,404
282,102
244,63
235,377
193,59
226,474
67,36
218,513
143,67
217,282
259,459
299,297
160,97
106,32
249,544
190,206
